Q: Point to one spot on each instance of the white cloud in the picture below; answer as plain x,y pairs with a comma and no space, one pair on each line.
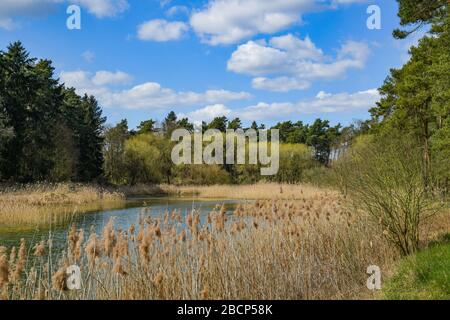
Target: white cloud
294,62
280,84
230,21
152,95
103,8
102,78
207,113
76,79
147,95
322,103
162,30
340,102
11,9
284,54
268,111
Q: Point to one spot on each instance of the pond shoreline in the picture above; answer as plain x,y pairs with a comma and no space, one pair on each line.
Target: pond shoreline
41,203
128,213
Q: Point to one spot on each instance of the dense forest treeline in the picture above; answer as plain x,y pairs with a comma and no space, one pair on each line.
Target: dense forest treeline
48,132
415,102
144,155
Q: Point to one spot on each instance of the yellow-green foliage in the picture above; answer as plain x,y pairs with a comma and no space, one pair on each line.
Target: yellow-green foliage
201,174
147,159
385,179
294,160
343,168
143,159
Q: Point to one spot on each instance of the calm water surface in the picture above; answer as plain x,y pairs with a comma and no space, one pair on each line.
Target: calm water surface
124,217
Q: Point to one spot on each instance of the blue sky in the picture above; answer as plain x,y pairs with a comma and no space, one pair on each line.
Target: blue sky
260,60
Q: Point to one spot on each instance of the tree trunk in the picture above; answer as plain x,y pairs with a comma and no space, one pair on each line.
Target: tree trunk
426,155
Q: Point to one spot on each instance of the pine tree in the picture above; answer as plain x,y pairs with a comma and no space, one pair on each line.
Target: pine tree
30,101
90,166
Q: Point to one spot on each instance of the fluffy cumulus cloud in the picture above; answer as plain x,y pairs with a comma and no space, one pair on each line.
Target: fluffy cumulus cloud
322,103
11,9
230,21
102,78
207,113
340,102
290,63
162,30
280,84
149,95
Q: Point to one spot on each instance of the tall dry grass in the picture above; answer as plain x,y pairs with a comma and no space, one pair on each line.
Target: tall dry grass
47,203
261,191
272,249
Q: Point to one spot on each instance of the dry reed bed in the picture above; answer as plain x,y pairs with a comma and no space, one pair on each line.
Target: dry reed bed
307,249
259,191
43,204
433,228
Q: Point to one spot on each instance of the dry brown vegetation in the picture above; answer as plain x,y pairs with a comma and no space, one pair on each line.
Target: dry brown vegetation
435,227
44,203
310,245
274,249
261,191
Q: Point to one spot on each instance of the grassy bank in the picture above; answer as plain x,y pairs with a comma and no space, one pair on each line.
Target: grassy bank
425,275
44,203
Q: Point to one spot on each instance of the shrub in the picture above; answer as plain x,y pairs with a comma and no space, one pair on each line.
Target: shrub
385,179
142,160
201,174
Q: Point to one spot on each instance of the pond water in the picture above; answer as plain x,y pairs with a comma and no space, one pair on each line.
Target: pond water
125,216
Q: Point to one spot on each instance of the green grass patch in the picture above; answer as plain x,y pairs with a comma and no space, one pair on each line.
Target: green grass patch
423,276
